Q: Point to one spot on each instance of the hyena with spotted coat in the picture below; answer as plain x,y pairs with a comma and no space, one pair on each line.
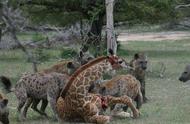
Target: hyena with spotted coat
118,86
37,86
139,66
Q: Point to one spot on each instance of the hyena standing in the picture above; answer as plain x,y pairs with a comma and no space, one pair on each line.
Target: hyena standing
139,66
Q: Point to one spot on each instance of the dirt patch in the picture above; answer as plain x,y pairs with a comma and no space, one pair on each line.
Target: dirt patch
154,36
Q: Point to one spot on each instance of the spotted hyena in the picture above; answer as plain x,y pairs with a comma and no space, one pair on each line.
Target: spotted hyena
37,86
139,66
185,76
4,111
118,86
63,67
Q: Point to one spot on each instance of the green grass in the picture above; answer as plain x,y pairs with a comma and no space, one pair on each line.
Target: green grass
169,98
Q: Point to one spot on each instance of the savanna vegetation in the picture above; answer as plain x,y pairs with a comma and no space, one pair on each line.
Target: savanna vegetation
169,98
42,32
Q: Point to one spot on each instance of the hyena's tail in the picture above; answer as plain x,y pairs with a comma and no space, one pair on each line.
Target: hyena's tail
6,84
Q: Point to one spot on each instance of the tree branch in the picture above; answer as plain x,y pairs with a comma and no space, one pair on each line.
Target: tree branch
12,29
182,6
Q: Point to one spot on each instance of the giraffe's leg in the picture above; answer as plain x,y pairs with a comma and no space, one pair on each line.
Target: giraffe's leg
91,114
27,105
123,100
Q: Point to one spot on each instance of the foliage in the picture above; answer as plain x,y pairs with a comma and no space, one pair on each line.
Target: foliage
37,37
61,13
68,53
41,55
66,12
152,11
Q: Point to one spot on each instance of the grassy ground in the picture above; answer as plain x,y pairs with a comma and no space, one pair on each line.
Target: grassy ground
169,98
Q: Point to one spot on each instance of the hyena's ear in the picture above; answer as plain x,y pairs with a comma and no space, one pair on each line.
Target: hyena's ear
3,103
111,51
81,54
70,65
136,56
84,48
103,90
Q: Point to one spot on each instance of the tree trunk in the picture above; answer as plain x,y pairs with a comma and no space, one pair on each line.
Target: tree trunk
111,39
0,20
0,33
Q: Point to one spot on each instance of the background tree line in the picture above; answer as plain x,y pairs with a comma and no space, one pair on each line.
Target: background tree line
61,13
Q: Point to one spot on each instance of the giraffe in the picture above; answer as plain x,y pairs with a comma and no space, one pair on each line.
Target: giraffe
78,103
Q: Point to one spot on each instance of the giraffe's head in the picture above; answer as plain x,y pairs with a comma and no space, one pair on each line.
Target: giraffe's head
115,62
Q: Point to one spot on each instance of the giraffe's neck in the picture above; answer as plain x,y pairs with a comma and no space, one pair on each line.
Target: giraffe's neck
83,81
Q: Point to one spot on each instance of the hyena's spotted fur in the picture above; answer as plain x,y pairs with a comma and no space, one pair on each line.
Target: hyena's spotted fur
63,67
38,86
121,85
139,66
4,111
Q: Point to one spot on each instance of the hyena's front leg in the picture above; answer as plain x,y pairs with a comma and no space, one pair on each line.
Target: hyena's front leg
123,100
139,100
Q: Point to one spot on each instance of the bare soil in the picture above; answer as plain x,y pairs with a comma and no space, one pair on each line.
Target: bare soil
154,36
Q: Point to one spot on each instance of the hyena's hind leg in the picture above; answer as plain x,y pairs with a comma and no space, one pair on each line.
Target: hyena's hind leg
34,103
19,108
22,98
43,106
27,105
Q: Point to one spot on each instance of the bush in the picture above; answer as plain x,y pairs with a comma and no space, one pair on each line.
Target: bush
68,53
41,55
